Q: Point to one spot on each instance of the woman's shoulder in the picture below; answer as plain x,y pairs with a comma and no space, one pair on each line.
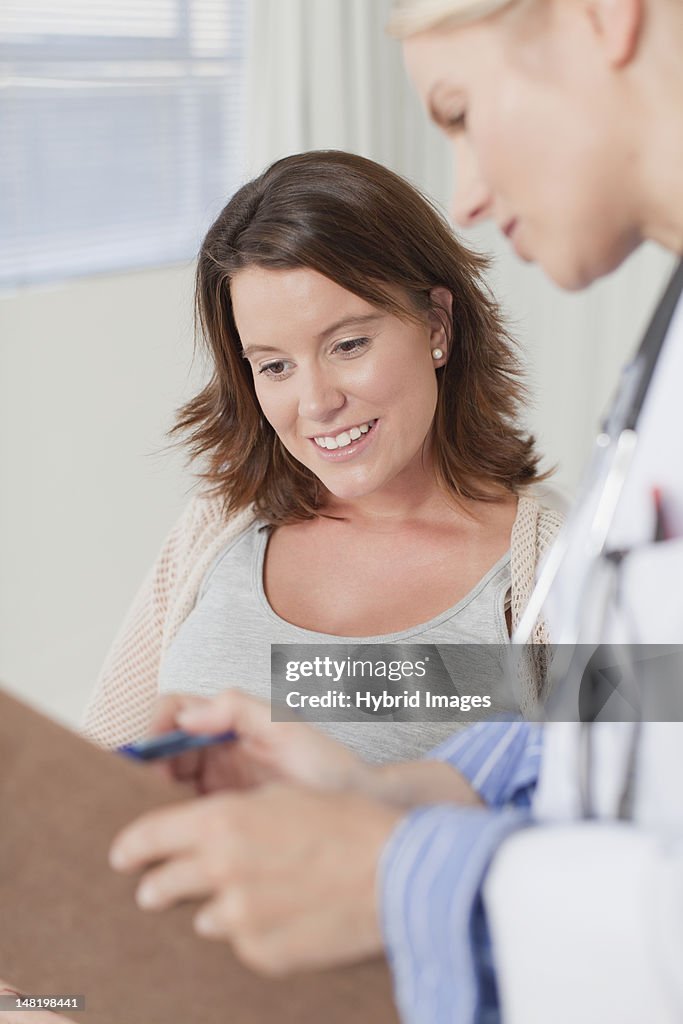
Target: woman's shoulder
203,529
540,517
202,532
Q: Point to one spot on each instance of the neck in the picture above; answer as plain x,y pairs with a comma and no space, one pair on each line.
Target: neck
662,211
411,498
393,505
657,117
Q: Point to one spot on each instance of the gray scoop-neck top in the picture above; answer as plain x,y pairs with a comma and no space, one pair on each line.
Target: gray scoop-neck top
225,642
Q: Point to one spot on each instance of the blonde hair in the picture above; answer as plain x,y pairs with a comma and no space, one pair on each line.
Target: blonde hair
412,16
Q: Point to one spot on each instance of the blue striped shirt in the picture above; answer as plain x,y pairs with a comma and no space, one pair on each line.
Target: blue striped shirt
432,871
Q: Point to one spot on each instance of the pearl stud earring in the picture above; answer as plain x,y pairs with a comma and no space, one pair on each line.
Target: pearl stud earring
437,353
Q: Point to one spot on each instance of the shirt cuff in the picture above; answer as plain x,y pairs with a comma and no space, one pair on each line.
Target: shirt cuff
430,881
500,760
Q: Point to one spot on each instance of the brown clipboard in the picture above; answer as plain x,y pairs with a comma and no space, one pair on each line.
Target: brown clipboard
69,925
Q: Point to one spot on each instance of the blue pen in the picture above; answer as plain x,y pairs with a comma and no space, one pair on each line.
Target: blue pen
169,744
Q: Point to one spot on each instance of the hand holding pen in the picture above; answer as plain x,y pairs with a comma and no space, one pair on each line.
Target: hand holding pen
172,744
237,746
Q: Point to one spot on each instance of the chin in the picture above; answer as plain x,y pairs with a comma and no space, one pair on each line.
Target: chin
349,489
349,493
573,275
573,281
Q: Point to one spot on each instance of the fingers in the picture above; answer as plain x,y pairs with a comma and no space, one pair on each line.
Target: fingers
184,878
286,875
290,750
265,750
156,836
164,714
278,744
232,709
193,849
185,767
238,765
247,903
229,710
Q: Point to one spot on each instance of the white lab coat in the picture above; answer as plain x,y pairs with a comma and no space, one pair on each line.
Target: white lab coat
587,916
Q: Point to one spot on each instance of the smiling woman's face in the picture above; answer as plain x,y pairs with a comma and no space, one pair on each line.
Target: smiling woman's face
349,389
534,113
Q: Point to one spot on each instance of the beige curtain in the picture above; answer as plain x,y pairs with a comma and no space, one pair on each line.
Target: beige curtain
324,74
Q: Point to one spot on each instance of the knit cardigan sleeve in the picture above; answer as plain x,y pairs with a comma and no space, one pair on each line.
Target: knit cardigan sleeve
121,705
534,531
533,534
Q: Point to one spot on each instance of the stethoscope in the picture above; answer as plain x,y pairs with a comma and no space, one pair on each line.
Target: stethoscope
597,591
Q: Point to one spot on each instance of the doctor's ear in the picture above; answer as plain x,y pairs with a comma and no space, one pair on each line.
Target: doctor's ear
617,24
441,323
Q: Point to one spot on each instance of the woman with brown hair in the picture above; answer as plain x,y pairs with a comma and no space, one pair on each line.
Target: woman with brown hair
366,477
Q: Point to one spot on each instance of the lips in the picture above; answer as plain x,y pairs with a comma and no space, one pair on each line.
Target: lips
345,450
344,437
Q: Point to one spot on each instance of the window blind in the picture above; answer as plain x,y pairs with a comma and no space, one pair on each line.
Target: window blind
122,129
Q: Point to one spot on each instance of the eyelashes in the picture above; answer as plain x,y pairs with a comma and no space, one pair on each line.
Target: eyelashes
353,345
456,123
278,369
271,369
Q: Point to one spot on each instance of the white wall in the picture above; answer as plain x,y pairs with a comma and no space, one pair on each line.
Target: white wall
90,373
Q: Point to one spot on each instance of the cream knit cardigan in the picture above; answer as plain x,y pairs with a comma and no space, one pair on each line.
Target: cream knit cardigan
120,708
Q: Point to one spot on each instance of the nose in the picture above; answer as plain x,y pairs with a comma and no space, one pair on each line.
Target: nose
320,396
472,199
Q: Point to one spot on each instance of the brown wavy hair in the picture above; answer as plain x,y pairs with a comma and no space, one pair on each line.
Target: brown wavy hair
370,231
